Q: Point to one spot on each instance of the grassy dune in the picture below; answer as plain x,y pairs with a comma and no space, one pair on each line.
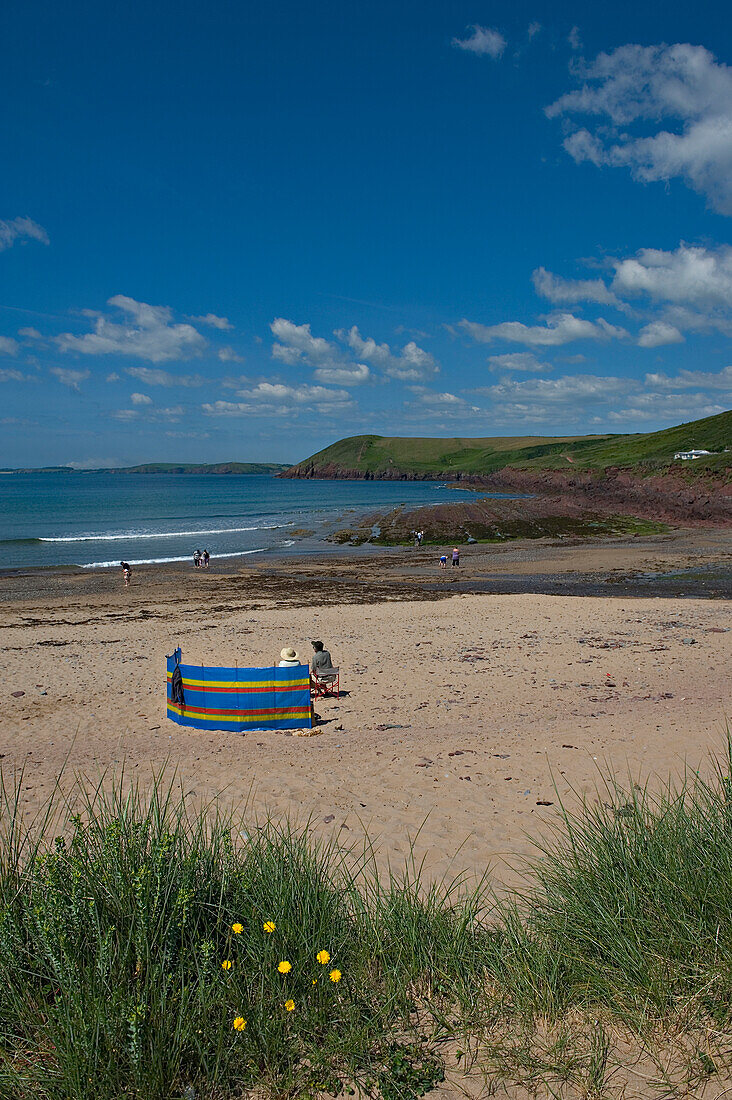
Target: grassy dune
379,456
149,953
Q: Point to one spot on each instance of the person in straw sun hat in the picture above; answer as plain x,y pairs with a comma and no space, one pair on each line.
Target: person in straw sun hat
289,658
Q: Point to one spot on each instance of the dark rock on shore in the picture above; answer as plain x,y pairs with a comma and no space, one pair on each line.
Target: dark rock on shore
492,520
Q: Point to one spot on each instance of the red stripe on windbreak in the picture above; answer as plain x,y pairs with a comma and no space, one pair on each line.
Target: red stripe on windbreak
283,685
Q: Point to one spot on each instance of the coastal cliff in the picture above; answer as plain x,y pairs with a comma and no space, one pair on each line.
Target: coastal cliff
637,475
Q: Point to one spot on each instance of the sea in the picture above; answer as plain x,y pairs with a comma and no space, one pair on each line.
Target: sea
94,520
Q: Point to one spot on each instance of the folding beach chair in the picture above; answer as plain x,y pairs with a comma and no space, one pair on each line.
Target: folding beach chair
325,681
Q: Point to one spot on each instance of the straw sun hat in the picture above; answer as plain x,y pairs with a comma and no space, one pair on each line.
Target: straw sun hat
289,655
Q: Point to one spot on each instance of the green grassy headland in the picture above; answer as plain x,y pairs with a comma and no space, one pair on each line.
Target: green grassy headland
388,456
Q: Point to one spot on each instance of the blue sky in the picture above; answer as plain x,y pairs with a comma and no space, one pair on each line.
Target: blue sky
242,231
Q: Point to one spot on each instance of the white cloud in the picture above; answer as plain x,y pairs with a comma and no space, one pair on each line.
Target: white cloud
692,285
172,413
440,406
188,435
297,342
156,376
560,328
113,377
517,360
534,29
298,345
70,378
8,346
570,291
30,333
567,389
657,334
690,276
140,399
680,84
232,408
411,364
574,39
600,402
671,408
148,332
448,399
228,355
278,399
693,379
483,40
332,365
222,323
21,229
345,374
298,395
7,375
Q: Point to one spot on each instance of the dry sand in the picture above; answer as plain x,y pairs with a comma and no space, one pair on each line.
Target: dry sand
464,717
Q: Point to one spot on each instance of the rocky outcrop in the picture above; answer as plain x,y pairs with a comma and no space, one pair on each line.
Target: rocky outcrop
670,497
681,497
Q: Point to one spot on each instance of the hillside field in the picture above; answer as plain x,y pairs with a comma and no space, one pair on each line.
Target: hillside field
393,456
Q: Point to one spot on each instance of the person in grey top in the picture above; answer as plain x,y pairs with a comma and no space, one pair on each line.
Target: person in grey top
321,658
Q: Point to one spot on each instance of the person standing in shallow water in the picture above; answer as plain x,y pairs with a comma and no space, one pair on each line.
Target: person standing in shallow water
126,572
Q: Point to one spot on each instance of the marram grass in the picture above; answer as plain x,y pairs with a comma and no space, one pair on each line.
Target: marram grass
152,953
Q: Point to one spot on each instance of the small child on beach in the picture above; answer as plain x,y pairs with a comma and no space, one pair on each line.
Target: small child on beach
126,572
443,561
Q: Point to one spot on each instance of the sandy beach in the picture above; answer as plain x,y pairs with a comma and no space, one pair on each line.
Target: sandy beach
465,717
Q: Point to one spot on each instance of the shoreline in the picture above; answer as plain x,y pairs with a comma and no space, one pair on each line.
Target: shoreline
678,562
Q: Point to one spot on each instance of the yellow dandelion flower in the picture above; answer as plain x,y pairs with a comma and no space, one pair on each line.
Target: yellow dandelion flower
289,1005
269,926
335,975
226,964
239,1023
315,981
323,957
237,928
284,967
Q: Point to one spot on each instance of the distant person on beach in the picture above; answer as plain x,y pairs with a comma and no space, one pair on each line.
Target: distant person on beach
321,658
206,559
455,556
443,561
126,572
288,658
197,559
420,536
